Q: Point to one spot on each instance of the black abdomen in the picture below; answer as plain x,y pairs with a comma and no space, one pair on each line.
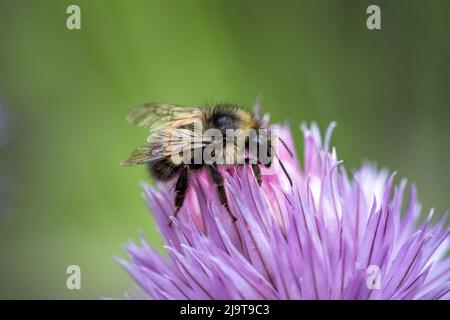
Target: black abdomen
164,169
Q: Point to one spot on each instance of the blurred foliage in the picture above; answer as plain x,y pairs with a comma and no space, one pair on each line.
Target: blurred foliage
67,200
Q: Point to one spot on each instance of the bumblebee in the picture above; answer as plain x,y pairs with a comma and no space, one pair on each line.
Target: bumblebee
178,134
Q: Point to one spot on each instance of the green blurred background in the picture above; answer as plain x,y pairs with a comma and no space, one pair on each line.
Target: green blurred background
64,198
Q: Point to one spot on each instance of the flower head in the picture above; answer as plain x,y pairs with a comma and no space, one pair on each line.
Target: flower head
329,236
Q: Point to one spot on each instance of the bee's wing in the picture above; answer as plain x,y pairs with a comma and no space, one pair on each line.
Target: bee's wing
151,114
139,155
165,142
166,138
145,154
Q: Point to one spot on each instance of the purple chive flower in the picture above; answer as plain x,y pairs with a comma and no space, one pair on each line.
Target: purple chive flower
330,236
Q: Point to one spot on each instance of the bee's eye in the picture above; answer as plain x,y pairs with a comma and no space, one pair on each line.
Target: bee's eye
224,122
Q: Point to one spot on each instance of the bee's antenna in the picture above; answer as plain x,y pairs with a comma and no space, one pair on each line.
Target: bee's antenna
286,147
284,170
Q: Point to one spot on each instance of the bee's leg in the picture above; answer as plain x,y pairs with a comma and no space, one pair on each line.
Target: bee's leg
181,187
285,172
256,170
218,181
257,173
269,164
